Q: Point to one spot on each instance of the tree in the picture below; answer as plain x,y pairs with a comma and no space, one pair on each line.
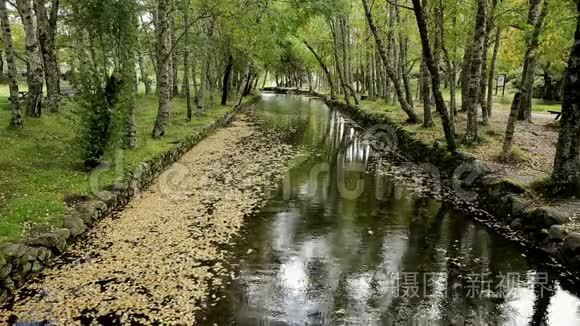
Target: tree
163,66
15,113
471,134
35,72
226,80
413,118
566,174
186,81
46,26
537,13
440,105
535,18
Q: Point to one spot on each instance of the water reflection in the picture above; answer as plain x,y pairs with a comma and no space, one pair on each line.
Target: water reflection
346,244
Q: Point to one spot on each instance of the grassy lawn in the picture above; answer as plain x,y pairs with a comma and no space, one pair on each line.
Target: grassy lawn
40,165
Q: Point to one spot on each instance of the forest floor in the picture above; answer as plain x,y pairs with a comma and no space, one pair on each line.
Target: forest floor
534,143
161,259
41,168
533,154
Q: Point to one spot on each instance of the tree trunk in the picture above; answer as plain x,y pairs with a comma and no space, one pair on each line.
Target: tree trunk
144,75
46,30
483,81
465,74
566,175
472,133
451,66
510,128
535,20
243,85
15,114
404,44
130,101
324,68
413,118
448,127
492,70
35,73
194,79
426,96
226,80
1,64
163,57
174,62
186,81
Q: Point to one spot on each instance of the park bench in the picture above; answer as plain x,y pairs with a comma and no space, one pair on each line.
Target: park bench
557,113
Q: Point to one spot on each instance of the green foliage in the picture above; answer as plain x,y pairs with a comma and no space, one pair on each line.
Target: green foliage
105,81
40,165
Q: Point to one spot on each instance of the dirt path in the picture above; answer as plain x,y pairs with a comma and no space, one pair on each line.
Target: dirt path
159,259
535,142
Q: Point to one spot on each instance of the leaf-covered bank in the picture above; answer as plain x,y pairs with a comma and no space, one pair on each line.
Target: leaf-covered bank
160,258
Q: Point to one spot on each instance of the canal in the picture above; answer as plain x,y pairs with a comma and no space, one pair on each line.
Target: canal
350,238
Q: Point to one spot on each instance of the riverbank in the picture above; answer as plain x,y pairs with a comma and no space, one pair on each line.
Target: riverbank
543,227
162,257
60,201
41,172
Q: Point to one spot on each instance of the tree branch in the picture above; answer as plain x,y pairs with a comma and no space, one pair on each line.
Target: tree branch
400,6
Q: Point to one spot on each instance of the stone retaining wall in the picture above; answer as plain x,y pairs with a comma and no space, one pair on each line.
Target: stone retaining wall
21,259
541,226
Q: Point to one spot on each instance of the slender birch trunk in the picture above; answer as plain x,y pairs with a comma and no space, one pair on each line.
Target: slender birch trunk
35,72
15,113
535,18
472,132
413,118
186,82
163,58
447,123
46,30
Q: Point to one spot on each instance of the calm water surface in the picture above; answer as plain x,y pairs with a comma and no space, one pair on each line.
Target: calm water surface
348,241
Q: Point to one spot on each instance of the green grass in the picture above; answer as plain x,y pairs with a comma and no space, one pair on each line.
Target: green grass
40,165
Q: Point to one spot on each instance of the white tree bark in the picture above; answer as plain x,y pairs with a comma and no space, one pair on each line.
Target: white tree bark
36,74
163,58
16,115
46,29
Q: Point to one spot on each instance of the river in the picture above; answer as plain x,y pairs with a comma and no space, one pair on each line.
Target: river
349,240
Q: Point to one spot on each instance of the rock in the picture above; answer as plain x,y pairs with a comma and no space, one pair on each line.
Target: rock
36,266
488,179
44,254
5,270
98,205
556,216
505,186
556,233
49,240
545,217
26,268
14,249
63,233
542,236
87,212
8,284
30,254
108,197
517,223
519,205
572,242
75,225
